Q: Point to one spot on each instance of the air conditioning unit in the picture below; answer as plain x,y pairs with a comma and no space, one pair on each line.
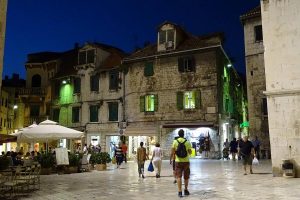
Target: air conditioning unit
122,125
169,45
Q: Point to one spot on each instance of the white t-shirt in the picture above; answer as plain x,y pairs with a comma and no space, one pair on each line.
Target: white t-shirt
157,153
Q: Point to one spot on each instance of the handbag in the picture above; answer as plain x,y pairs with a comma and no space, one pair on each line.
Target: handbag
150,167
255,161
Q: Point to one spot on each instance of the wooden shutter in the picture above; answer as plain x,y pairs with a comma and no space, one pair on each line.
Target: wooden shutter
94,113
181,65
193,64
75,114
197,99
113,111
179,100
142,103
148,69
155,103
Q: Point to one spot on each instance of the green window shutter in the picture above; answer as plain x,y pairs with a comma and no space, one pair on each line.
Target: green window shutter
155,102
113,111
179,100
198,99
148,69
94,113
193,64
181,65
142,103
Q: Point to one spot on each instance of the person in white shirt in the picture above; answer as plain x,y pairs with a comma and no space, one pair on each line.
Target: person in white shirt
157,159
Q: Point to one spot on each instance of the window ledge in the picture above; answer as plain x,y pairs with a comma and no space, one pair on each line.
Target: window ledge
149,112
190,110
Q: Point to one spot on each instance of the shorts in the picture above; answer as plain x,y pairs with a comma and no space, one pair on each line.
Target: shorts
182,168
247,160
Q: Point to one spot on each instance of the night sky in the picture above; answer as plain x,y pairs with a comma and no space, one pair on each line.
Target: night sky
55,25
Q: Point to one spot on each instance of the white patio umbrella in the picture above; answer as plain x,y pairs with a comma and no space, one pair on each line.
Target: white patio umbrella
48,130
23,129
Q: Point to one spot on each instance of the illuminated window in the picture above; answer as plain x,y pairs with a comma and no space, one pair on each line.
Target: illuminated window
189,100
149,103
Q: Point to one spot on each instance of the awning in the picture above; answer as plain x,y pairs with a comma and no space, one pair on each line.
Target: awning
4,138
141,131
188,125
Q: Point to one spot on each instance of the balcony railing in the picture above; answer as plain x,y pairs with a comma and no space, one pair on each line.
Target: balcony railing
30,120
32,91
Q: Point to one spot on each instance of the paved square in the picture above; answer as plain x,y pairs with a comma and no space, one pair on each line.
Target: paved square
210,179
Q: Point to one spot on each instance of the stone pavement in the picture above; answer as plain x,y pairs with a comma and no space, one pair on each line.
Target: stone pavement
210,179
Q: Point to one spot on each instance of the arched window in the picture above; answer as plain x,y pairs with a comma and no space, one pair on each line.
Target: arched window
36,80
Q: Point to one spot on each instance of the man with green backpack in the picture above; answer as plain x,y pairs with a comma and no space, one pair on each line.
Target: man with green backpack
181,149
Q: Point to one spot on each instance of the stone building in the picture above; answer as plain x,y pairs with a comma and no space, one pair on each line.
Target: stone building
256,79
3,9
182,81
281,31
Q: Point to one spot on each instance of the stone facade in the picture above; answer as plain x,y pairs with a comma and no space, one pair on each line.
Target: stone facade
256,80
3,8
281,40
213,77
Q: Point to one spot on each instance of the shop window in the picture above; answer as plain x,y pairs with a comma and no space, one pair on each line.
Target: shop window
188,100
94,83
77,85
113,108
258,33
36,80
149,103
55,114
186,64
75,114
34,110
113,80
148,69
94,113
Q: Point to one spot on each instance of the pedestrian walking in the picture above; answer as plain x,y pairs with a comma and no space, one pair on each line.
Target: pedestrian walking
157,159
256,145
172,162
233,148
124,149
141,158
247,153
181,148
119,155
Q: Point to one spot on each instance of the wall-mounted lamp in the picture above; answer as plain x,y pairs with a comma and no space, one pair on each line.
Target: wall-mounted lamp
15,107
229,65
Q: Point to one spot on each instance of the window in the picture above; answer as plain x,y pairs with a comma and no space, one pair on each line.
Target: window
166,36
113,80
148,69
149,103
57,88
258,33
94,83
186,64
34,111
77,85
162,37
55,114
86,57
113,111
94,113
75,114
188,100
264,106
36,80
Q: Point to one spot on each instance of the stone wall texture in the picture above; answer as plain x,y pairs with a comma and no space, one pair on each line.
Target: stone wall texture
281,40
3,8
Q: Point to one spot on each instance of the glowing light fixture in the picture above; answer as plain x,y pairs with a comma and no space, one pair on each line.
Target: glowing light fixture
229,65
15,107
64,82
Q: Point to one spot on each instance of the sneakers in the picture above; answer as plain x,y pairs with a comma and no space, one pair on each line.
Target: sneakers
174,181
157,176
251,172
186,193
180,194
143,176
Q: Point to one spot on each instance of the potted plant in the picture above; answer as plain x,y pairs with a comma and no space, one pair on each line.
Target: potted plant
4,162
47,162
74,160
100,160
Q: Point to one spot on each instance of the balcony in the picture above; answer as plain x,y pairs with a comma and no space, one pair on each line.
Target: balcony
32,91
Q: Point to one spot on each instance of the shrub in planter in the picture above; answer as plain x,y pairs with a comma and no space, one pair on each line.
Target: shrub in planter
100,159
74,161
47,162
4,162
